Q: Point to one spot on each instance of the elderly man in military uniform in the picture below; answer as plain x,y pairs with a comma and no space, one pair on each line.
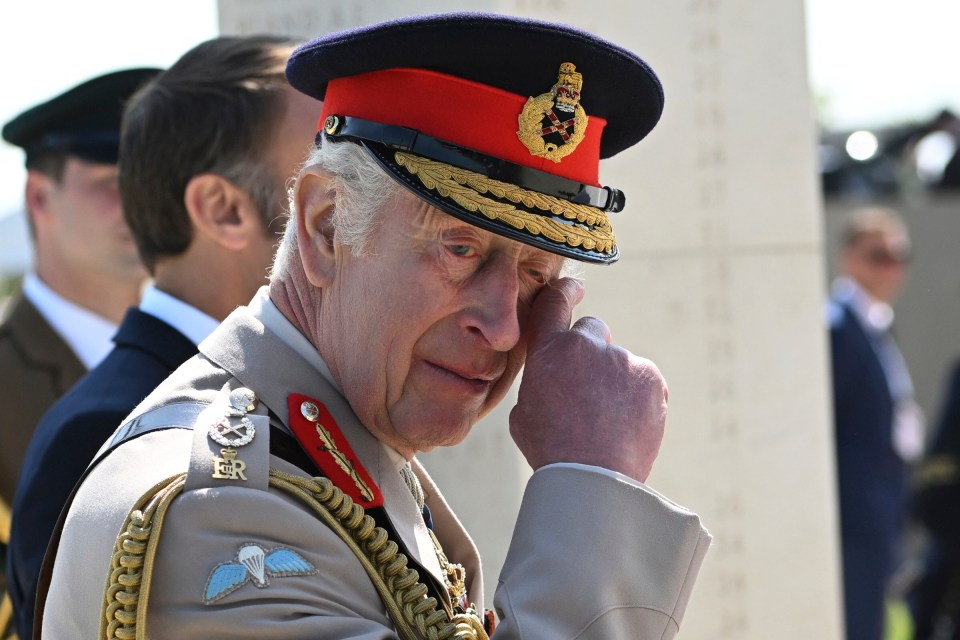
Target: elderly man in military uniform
270,488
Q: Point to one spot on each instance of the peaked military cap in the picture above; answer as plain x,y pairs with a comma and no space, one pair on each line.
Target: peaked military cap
83,121
499,121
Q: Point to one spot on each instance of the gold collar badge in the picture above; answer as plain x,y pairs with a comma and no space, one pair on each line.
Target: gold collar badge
553,123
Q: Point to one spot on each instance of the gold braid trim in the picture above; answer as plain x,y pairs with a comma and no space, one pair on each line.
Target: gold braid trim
128,587
400,589
466,189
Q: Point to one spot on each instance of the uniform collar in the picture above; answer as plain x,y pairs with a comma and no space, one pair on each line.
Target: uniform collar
263,308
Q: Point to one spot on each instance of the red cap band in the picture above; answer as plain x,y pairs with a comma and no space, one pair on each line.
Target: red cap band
465,113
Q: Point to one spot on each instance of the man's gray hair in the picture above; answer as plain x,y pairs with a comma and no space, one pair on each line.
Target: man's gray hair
362,188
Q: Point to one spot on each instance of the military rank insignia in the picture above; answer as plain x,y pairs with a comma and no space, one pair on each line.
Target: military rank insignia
553,123
320,436
233,430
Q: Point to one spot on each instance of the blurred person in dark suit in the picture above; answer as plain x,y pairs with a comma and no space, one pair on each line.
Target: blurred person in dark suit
878,426
206,149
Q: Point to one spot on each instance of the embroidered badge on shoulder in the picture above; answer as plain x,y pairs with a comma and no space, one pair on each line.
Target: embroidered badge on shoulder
256,564
553,123
321,439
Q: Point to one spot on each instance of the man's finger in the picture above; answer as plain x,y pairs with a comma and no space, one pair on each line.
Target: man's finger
594,327
553,308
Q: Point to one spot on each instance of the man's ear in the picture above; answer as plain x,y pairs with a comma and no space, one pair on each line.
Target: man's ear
314,199
222,211
37,192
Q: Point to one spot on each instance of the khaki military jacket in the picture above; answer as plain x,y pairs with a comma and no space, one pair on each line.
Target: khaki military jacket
36,368
593,555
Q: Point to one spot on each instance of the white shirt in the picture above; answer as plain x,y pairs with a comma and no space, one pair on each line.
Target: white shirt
87,334
187,319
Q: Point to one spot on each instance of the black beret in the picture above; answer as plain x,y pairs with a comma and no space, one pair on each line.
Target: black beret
83,121
497,120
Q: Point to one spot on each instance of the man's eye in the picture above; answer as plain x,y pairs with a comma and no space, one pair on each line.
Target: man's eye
537,276
461,250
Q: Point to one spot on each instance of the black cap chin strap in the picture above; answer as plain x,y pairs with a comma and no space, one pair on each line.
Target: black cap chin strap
405,139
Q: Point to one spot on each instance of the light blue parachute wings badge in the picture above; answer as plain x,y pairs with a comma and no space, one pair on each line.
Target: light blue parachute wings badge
254,564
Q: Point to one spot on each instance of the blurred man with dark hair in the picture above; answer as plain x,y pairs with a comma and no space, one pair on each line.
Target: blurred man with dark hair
879,427
206,149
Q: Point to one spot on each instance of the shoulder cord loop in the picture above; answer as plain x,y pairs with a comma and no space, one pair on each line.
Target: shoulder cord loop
404,596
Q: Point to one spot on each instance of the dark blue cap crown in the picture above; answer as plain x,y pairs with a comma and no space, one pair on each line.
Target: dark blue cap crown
519,55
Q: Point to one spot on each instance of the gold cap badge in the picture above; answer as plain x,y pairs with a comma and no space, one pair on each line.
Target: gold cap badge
553,123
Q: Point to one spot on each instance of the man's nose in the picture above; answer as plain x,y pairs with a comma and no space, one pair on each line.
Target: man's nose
491,307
